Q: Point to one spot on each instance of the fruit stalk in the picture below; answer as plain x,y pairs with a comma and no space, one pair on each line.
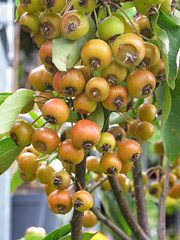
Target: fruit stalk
139,198
162,212
108,223
96,185
77,218
125,211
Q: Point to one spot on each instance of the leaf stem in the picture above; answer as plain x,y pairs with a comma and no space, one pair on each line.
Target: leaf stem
98,184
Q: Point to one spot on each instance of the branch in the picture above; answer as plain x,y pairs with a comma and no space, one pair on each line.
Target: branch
96,185
77,218
125,211
108,223
141,209
162,212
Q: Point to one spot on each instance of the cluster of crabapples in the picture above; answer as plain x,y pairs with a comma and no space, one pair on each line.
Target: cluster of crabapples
129,68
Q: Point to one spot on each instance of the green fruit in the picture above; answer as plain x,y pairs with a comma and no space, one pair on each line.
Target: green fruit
168,6
110,27
31,5
84,6
29,22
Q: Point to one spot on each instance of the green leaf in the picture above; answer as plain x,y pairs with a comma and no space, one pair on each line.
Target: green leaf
172,31
112,210
52,157
73,117
34,116
66,53
16,181
171,130
59,233
97,116
128,5
8,153
85,236
17,2
11,107
3,97
166,103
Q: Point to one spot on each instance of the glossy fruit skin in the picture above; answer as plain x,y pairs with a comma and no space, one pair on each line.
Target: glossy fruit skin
48,80
82,200
93,53
117,99
70,84
155,189
140,83
87,73
131,128
60,180
50,25
54,6
60,202
38,39
31,6
110,27
110,164
29,22
107,143
114,73
147,112
159,70
83,104
172,180
128,50
90,219
144,130
74,25
69,153
45,97
147,8
45,140
20,10
144,25
44,174
126,167
27,162
48,188
27,177
36,78
21,133
144,178
55,111
97,89
87,6
93,164
31,149
38,231
118,133
174,192
159,147
129,150
45,53
124,182
168,6
152,55
84,133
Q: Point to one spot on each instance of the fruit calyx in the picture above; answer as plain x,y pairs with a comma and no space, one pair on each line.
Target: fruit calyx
95,63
